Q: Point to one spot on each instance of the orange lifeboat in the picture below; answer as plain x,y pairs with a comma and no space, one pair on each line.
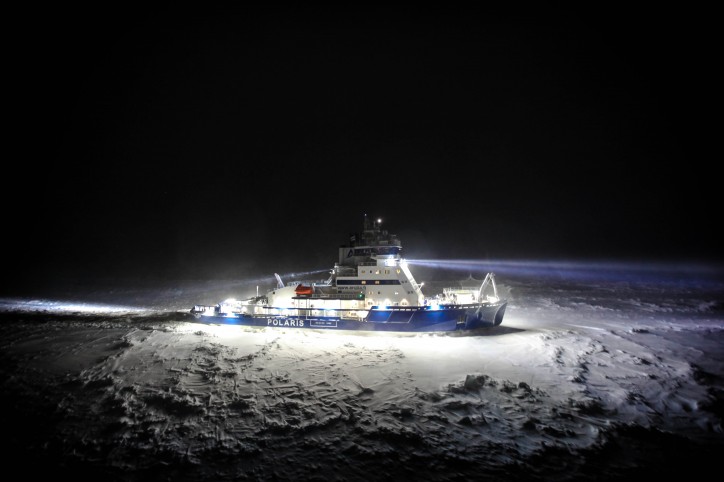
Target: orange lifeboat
302,290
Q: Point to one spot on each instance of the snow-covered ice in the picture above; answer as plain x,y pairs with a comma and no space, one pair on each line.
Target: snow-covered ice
584,380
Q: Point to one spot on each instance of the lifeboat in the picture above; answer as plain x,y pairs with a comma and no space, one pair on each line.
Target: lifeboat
303,290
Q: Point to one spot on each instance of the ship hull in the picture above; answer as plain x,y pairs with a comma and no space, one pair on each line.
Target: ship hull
394,319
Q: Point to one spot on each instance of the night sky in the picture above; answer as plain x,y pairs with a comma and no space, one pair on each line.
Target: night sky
225,143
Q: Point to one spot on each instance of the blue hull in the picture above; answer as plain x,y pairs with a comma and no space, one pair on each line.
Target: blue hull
394,319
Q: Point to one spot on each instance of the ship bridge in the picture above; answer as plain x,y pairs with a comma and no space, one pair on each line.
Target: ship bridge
370,244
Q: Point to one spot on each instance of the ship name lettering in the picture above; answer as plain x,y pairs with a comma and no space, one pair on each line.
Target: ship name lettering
284,322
